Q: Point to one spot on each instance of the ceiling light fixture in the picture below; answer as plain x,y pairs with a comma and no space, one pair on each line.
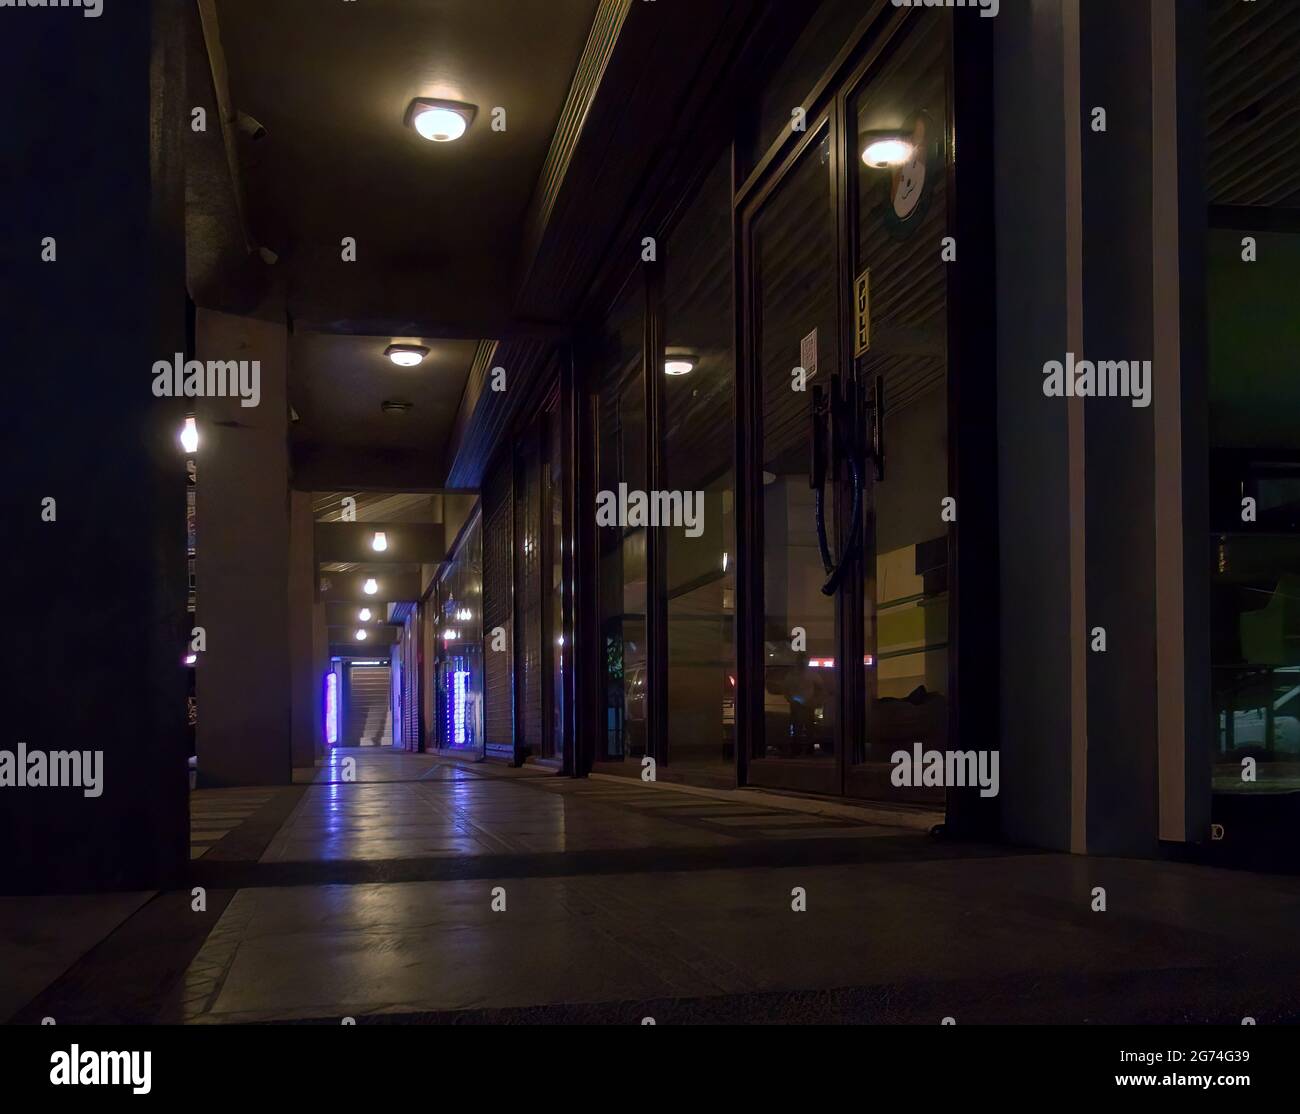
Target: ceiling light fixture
406,355
379,542
440,121
361,635
370,587
365,615
679,361
885,149
190,436
396,406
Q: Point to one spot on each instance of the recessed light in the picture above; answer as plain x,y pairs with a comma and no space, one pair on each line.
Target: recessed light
440,121
406,355
396,406
678,366
885,149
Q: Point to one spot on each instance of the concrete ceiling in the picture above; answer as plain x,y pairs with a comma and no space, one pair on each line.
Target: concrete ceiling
437,225
1253,103
338,385
377,506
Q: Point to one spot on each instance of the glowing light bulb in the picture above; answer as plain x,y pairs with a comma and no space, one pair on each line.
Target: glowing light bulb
365,615
190,436
439,124
361,635
379,542
370,587
880,153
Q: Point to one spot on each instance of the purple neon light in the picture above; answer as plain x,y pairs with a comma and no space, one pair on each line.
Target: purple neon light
458,680
331,708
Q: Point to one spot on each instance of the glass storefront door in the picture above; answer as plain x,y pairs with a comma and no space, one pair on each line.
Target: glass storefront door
847,406
898,221
794,357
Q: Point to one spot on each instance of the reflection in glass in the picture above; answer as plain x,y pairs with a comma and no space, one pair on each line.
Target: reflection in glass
697,455
621,459
1254,334
457,660
1256,662
901,223
795,267
552,480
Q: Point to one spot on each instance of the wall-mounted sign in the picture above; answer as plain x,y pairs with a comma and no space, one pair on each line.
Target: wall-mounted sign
808,354
862,313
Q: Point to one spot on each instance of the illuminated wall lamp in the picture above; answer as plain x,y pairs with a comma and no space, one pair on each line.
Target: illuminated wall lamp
883,149
679,361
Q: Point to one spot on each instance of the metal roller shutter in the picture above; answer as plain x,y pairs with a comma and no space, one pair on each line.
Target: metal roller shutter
369,714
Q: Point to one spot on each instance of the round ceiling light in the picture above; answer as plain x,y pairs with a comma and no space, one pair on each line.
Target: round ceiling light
371,586
680,361
361,635
440,121
365,615
406,355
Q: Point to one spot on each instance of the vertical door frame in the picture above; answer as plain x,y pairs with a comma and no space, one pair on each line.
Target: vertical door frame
652,361
750,605
572,458
549,414
582,400
972,453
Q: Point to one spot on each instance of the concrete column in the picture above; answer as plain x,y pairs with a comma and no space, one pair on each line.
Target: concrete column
320,656
1040,465
1102,509
244,686
92,510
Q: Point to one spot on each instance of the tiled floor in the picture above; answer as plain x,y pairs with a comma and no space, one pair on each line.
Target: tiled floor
41,937
406,886
446,809
215,813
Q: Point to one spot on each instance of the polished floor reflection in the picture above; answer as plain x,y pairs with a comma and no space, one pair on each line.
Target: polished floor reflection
405,806
388,885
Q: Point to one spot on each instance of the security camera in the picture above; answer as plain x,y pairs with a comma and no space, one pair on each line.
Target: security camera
249,126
